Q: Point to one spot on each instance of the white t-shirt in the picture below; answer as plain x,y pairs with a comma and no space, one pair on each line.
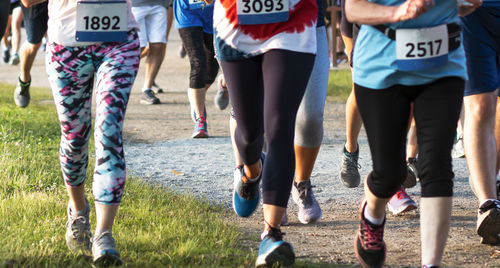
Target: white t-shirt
62,22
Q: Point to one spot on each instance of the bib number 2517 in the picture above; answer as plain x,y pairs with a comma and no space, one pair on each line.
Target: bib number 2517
101,21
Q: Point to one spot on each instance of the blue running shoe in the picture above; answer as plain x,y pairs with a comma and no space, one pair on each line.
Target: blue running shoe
200,128
246,193
273,250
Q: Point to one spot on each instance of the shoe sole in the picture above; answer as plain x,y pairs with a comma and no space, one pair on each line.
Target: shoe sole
408,208
148,103
200,135
489,229
107,260
281,255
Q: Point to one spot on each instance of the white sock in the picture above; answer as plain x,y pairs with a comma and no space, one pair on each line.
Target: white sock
371,219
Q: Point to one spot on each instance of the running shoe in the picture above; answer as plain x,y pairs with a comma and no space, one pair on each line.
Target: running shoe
194,116
274,251
156,89
246,193
200,128
182,52
458,147
303,196
78,233
148,97
22,94
349,174
488,222
6,55
369,242
14,60
104,250
221,99
400,202
411,173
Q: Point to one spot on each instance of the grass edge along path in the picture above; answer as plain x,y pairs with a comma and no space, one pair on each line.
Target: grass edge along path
154,228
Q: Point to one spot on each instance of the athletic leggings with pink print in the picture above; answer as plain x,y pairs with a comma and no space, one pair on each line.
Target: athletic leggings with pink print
71,72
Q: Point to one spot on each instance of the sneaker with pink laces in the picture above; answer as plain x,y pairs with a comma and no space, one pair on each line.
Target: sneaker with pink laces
369,242
400,202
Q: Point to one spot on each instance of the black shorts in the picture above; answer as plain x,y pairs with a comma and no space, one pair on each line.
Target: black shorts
14,5
35,22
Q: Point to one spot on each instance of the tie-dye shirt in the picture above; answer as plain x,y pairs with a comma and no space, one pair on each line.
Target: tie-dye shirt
62,22
234,41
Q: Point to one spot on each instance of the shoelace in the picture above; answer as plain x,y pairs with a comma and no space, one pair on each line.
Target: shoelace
275,233
99,240
371,236
401,194
489,205
78,224
351,163
305,193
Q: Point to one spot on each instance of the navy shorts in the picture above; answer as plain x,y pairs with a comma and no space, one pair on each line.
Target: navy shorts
482,47
35,22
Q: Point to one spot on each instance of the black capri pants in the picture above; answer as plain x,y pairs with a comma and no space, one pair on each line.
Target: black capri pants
385,115
4,15
199,47
266,91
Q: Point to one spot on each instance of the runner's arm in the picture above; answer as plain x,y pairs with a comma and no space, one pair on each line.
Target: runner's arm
365,12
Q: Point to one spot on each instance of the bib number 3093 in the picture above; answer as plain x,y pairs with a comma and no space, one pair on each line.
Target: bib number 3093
101,21
262,11
421,49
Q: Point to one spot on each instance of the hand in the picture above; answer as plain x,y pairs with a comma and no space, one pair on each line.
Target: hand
465,7
412,9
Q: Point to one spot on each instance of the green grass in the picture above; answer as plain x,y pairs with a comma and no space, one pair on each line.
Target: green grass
154,228
339,85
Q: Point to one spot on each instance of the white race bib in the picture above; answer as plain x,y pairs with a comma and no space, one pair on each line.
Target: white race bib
196,4
101,21
421,49
262,11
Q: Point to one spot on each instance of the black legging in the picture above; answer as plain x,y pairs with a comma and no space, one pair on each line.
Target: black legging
385,115
4,15
265,92
199,47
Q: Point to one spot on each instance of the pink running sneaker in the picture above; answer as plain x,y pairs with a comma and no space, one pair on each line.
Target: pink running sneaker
400,202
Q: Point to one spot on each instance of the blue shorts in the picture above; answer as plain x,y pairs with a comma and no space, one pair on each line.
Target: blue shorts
482,47
35,22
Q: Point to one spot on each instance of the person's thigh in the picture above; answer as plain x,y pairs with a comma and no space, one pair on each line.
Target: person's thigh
157,24
35,22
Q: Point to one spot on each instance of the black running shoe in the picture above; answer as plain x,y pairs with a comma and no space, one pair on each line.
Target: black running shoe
369,243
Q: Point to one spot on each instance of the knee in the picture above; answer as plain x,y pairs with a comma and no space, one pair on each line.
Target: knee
385,185
309,132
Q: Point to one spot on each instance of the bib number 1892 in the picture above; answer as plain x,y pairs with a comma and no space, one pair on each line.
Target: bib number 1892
101,23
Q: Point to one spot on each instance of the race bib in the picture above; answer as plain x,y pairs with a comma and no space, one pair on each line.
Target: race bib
196,4
421,49
262,11
101,21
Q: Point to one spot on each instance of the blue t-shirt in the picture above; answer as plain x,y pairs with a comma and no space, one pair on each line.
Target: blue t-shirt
194,15
375,54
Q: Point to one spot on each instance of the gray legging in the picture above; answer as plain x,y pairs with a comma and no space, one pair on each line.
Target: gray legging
309,122
4,15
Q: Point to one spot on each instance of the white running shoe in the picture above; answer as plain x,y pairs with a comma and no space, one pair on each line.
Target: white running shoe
400,202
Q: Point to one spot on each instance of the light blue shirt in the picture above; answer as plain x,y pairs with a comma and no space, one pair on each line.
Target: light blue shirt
375,54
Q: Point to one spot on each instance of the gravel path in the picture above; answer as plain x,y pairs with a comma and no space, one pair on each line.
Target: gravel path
157,143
